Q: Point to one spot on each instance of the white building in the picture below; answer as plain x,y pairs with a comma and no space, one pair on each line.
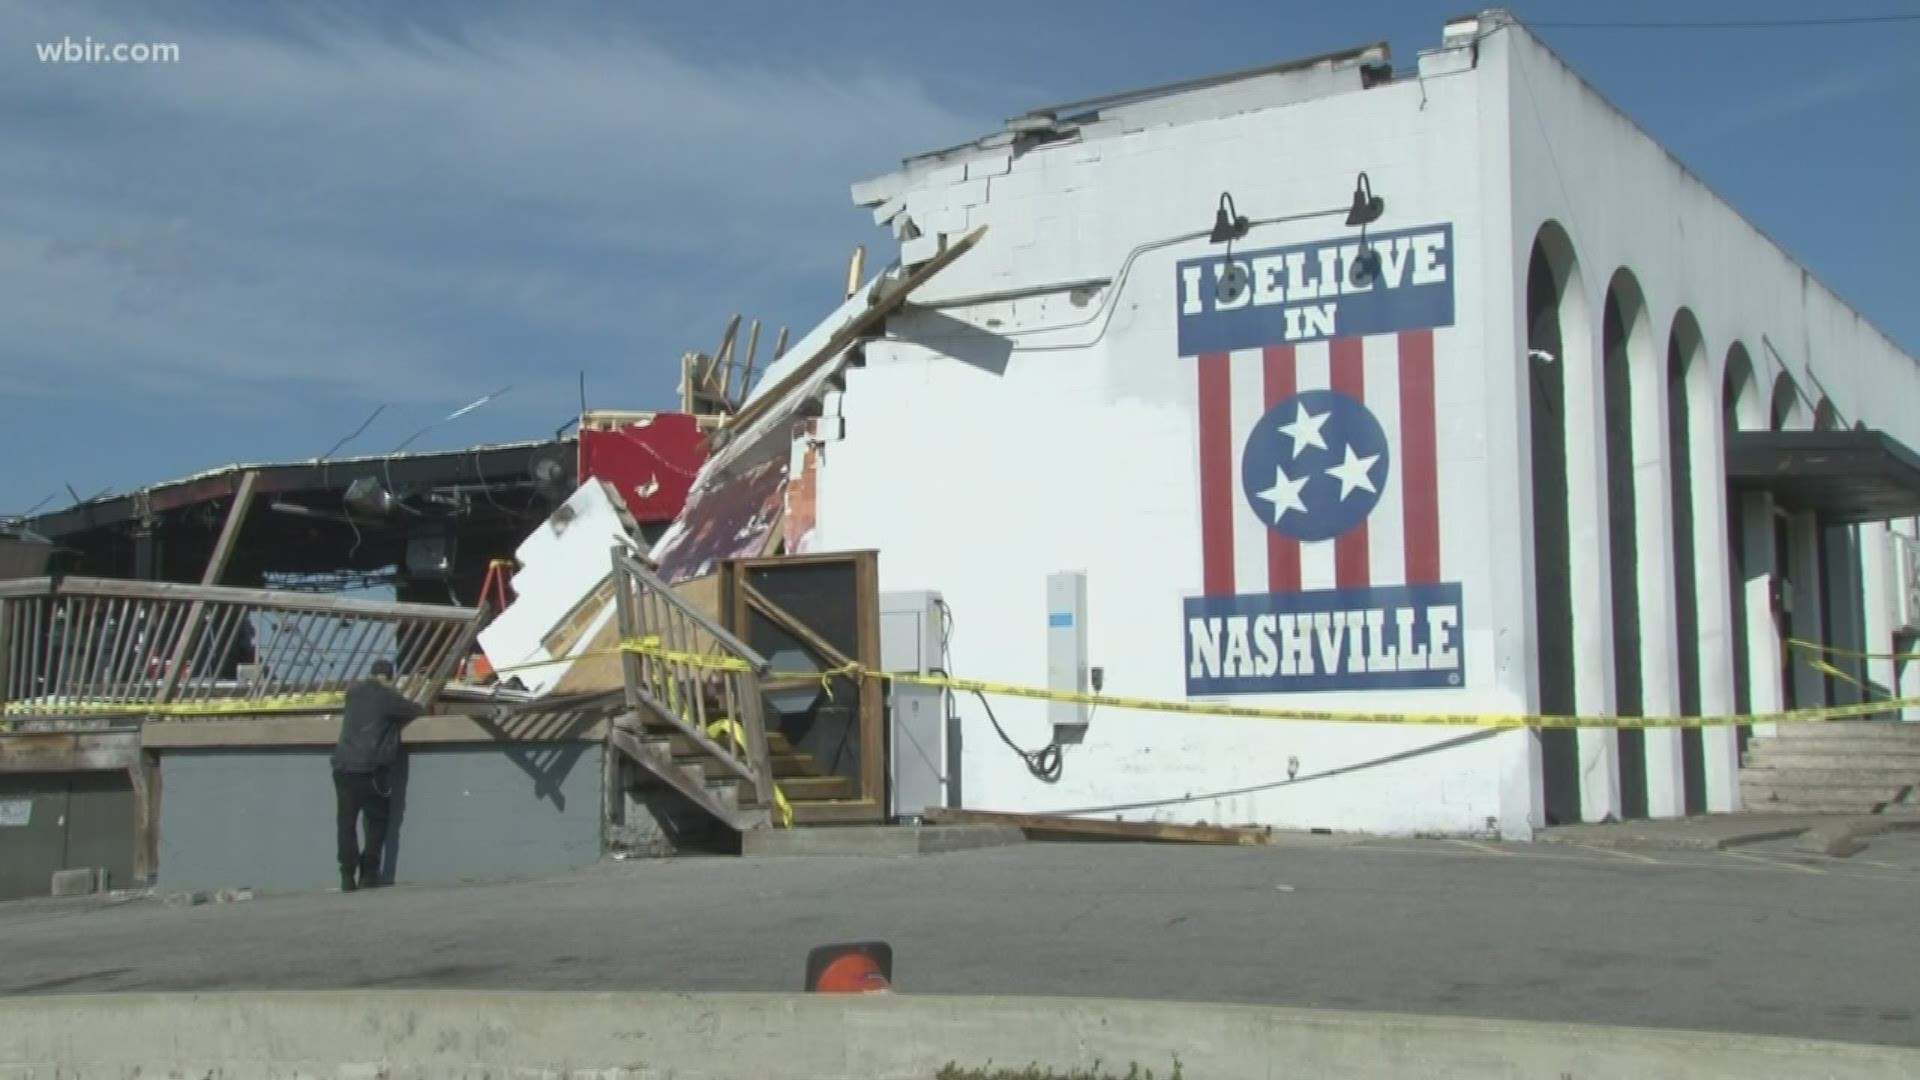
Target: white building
1497,478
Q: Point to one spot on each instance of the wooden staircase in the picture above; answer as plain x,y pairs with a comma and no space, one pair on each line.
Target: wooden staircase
695,717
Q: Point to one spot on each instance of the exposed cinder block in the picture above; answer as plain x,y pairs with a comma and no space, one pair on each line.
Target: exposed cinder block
919,250
946,221
82,882
967,193
889,210
878,190
944,176
994,165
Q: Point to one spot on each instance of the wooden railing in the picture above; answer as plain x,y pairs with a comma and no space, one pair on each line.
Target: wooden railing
718,706
91,646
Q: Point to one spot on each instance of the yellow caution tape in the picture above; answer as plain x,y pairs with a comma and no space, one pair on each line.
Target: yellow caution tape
649,647
1835,650
732,727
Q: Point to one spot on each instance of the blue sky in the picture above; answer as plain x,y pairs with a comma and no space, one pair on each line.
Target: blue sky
322,209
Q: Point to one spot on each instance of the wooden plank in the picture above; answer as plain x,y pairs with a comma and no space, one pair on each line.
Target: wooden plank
791,623
9,610
695,790
720,633
297,602
653,715
230,529
450,658
809,788
886,300
311,730
850,812
1059,825
856,271
215,569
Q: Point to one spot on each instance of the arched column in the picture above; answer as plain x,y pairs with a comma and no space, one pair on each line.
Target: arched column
1759,661
1702,568
1572,599
1798,534
1640,504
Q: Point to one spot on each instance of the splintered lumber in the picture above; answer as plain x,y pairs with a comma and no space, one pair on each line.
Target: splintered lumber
856,271
885,300
1039,826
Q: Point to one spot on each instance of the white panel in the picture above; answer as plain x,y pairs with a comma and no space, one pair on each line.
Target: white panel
1313,371
1386,526
1249,532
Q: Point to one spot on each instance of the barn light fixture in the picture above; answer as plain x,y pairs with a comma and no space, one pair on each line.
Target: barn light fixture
1367,208
1228,223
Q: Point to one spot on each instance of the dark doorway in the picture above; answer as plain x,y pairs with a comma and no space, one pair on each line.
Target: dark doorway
1553,589
1623,550
1682,346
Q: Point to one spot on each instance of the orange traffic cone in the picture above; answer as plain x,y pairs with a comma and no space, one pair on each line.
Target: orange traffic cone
859,968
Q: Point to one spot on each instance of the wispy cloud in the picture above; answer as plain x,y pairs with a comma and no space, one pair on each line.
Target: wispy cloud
335,204
1786,102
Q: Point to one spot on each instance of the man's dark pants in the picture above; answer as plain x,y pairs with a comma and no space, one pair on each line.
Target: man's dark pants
355,794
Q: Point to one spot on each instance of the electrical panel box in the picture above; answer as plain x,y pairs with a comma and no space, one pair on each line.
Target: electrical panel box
922,747
1067,653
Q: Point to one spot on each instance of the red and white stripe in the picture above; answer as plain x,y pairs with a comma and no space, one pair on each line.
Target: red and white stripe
1398,544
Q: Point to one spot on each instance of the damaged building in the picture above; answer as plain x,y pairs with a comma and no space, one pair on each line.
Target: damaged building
1347,425
1525,419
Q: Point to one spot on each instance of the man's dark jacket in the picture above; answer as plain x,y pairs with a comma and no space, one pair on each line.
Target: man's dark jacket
370,732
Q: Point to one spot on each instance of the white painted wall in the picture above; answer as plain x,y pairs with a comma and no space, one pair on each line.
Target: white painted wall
1626,202
980,475
1034,414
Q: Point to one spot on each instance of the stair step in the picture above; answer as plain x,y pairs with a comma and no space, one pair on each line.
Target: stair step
682,746
1893,733
1758,794
1845,774
817,787
1825,756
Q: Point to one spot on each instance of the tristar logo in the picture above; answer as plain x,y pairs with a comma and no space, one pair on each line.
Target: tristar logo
1317,417
1292,295
1385,638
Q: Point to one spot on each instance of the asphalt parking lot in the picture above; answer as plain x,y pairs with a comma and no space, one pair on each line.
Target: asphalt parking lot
1762,939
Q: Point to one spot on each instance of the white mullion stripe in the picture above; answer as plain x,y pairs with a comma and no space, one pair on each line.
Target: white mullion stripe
1387,525
1314,367
1248,380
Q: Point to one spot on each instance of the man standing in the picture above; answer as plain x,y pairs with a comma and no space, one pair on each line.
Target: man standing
363,762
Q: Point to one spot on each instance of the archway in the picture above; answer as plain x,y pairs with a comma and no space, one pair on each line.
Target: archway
1743,407
1556,317
1624,320
1686,361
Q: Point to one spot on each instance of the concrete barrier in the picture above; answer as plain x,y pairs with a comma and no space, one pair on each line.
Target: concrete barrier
481,1035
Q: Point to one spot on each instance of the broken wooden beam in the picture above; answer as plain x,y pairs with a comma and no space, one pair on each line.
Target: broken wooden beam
1040,826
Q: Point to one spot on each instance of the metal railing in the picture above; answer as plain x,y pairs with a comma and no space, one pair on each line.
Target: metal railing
719,707
93,646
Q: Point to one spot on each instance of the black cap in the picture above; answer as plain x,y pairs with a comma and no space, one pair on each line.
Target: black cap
383,669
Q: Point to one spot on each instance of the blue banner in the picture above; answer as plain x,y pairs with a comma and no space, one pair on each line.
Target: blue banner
1305,293
1400,637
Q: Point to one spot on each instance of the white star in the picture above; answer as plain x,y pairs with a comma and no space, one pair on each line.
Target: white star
1284,494
1353,473
1305,430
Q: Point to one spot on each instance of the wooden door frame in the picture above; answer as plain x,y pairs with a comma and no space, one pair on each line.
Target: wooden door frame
739,599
